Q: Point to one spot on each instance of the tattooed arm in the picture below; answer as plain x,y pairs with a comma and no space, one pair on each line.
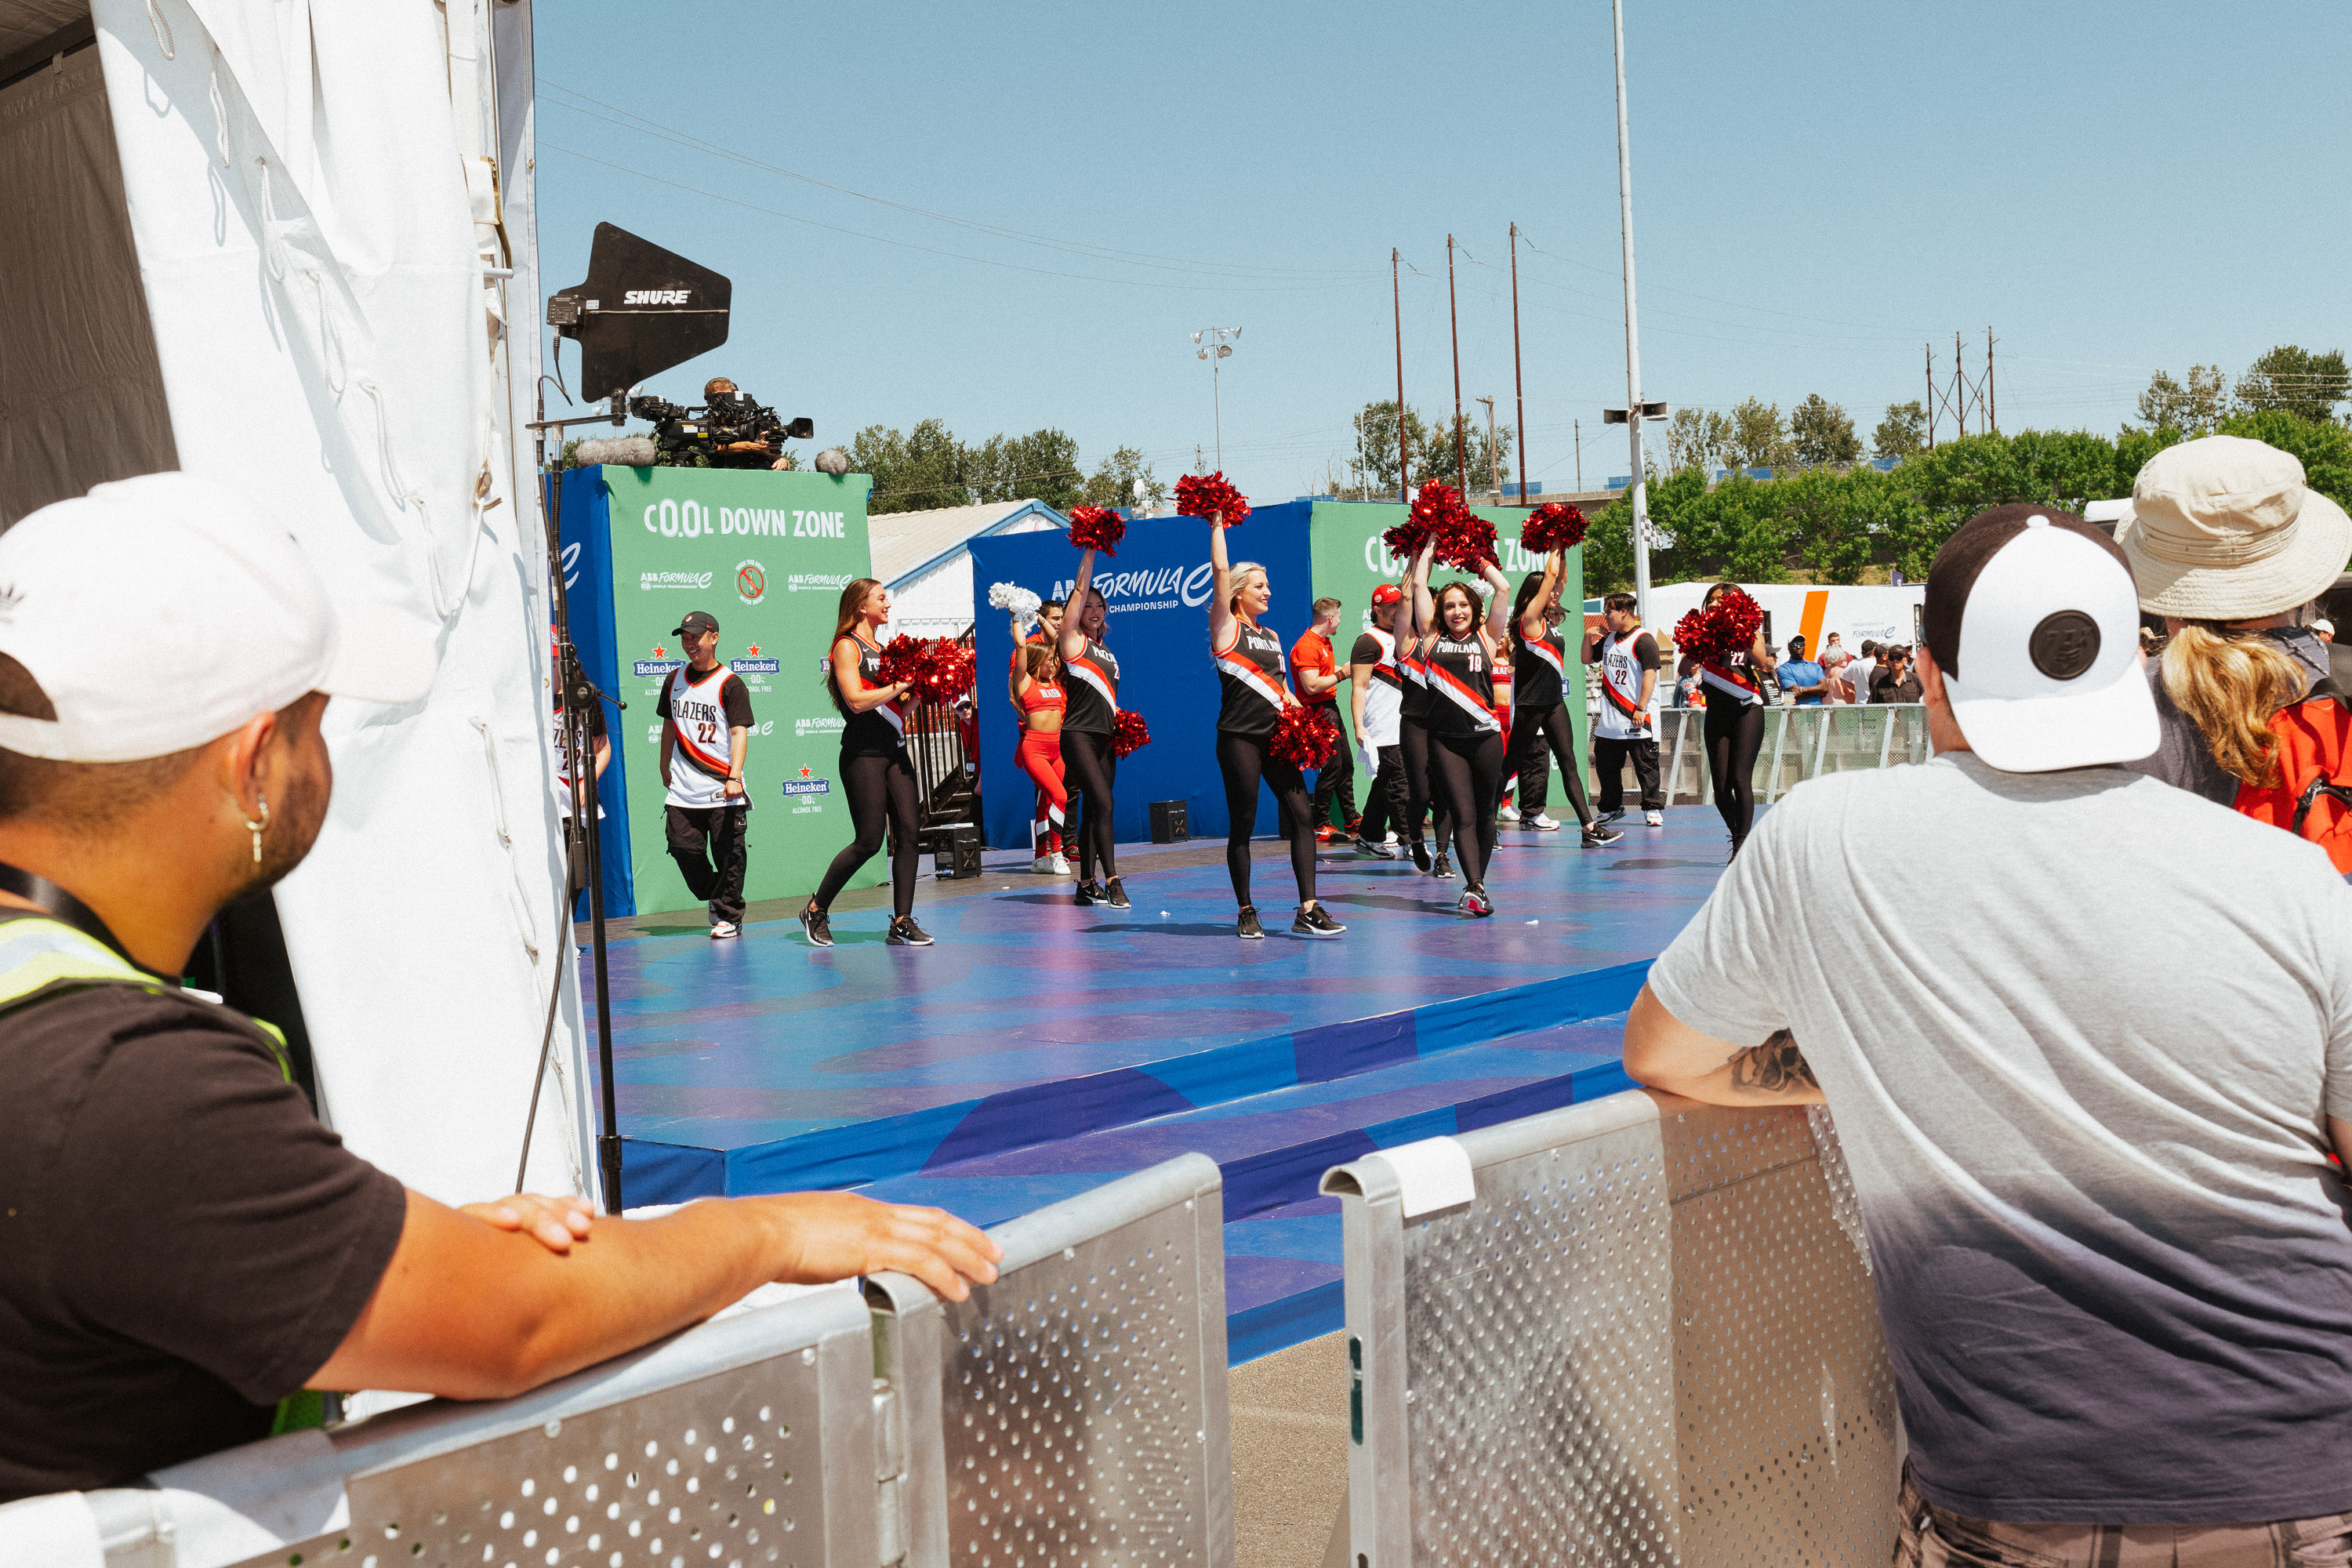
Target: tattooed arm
1663,1052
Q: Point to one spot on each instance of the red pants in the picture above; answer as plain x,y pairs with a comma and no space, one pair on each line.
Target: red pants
1041,757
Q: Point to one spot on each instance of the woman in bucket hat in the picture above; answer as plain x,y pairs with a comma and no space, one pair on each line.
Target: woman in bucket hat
2227,542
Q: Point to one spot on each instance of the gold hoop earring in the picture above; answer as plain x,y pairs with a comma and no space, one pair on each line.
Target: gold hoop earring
256,827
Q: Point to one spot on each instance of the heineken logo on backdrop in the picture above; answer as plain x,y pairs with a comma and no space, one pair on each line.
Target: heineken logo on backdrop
751,582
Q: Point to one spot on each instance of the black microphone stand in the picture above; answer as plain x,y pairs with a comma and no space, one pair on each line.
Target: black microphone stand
580,759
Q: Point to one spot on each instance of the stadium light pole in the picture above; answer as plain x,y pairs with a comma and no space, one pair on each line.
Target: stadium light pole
1634,410
1214,345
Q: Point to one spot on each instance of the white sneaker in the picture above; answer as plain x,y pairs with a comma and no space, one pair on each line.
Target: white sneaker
1654,818
1044,865
1061,867
725,928
1539,822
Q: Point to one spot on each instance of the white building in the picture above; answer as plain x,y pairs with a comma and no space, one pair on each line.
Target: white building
925,560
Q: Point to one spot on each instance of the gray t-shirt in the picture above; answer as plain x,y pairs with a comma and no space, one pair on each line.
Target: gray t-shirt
2081,1072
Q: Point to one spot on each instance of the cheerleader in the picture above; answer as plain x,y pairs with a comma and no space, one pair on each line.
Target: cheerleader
1037,695
1249,668
1412,731
1734,724
1090,685
875,771
1465,733
1539,692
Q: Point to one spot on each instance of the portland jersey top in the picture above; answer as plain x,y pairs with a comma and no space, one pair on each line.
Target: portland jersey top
1718,689
1041,698
1461,687
1384,696
1249,667
1092,690
1538,669
880,730
1413,691
1624,661
701,710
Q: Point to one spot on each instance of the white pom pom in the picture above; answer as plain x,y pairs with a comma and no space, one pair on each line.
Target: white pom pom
1480,586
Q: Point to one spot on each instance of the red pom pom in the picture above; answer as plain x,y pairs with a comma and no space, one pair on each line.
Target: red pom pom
1128,733
1304,737
1552,526
1467,540
938,669
1727,627
1097,528
1209,495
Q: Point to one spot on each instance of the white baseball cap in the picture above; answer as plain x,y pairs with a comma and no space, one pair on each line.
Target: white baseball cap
2034,619
161,612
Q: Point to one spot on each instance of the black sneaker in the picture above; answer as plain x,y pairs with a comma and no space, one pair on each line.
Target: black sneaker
1091,893
905,932
1421,855
1246,927
1598,834
1476,903
819,926
1608,816
1314,921
1115,896
1442,867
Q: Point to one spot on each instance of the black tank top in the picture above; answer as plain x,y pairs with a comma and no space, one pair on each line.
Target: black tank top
1250,672
1536,668
1092,682
1413,706
1461,687
877,731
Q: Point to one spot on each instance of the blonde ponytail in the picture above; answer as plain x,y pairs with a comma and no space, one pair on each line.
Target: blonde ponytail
2231,684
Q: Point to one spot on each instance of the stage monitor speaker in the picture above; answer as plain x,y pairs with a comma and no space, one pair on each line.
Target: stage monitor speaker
1168,822
956,852
641,310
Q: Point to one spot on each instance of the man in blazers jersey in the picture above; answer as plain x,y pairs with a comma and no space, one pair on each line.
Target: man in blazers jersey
706,729
1627,727
1377,692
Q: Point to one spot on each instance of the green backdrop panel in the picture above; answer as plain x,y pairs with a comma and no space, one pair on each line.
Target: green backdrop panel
1350,561
767,555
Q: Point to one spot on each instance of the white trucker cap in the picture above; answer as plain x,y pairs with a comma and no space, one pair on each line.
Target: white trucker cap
161,612
2034,619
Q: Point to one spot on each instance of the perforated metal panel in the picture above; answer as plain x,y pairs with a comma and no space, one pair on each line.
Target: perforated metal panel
1643,1342
1081,1399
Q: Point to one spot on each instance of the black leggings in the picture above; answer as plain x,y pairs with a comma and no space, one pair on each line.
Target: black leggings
1735,733
1527,724
881,792
1413,735
1244,760
1468,773
1089,769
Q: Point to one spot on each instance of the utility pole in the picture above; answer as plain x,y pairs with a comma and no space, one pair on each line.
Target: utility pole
1632,331
1930,350
1404,454
1959,386
1577,426
1518,380
1461,458
1992,410
1494,454
1215,345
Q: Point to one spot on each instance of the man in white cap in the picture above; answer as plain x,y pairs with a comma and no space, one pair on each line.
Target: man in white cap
183,1248
2224,533
2088,1075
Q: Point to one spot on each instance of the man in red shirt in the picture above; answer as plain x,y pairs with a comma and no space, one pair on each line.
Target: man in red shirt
1315,677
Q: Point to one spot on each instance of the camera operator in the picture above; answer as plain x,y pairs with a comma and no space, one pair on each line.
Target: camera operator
760,452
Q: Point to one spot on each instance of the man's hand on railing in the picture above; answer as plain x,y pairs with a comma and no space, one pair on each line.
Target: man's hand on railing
832,1235
554,1223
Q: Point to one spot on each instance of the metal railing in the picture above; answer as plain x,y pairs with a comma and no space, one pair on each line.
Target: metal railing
1074,1412
1800,743
1615,1334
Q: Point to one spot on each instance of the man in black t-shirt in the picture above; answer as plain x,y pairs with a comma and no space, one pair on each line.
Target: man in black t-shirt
185,1249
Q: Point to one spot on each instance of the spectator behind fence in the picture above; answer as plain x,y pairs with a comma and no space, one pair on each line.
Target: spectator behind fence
1864,667
1896,680
2227,544
2088,1075
2325,630
186,1246
1835,664
1803,681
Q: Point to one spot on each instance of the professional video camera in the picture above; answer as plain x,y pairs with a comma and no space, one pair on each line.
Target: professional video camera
697,437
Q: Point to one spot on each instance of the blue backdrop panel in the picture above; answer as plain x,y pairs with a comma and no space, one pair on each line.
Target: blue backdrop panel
585,525
1157,589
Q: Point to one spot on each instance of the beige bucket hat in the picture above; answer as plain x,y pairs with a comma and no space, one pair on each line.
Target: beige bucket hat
2224,528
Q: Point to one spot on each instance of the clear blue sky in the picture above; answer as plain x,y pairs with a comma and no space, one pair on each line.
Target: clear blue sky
1819,187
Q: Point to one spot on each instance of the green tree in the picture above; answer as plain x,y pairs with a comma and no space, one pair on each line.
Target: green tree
1124,478
1473,470
2194,409
2295,381
2322,445
912,471
1376,441
1903,432
1822,432
1698,439
1041,466
1758,438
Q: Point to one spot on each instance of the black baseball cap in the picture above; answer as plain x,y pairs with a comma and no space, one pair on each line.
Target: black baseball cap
696,621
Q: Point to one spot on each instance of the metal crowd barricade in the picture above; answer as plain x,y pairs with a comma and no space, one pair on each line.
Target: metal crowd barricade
1800,743
1075,1412
1615,1333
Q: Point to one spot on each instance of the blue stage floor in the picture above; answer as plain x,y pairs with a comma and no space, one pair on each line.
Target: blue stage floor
1041,1048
